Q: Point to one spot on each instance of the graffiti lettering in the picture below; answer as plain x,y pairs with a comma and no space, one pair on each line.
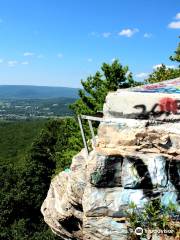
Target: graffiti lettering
168,105
165,106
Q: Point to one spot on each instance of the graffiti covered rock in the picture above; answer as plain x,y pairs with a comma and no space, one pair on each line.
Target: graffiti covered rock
135,160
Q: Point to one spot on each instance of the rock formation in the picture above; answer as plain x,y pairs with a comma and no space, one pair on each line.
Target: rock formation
136,159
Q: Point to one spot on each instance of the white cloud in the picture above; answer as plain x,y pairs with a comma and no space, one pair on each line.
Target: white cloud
27,54
90,60
94,34
174,25
40,56
60,55
25,63
128,32
170,66
147,35
106,34
159,65
177,16
12,63
128,72
142,75
1,60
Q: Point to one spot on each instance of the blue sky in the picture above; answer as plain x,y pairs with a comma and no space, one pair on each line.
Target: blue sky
59,42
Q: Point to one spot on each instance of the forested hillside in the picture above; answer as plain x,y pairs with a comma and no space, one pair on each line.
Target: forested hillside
36,92
35,150
16,139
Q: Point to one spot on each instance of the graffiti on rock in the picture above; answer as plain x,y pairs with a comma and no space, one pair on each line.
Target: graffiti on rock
165,106
171,86
168,105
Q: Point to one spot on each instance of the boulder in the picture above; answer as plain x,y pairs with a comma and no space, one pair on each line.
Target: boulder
136,159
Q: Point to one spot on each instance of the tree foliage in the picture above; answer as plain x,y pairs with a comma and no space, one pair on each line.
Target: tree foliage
16,139
69,142
95,87
176,56
163,73
153,217
23,189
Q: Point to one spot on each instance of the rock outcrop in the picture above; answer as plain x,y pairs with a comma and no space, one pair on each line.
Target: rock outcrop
136,159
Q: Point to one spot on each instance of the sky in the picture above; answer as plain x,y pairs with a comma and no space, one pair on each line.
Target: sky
60,42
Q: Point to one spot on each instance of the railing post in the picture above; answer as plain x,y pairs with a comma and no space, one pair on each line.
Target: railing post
83,135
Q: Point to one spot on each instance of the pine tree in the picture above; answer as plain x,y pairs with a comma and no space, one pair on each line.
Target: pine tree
95,87
163,73
176,56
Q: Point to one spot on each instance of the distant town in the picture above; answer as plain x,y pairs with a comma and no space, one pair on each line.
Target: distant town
22,109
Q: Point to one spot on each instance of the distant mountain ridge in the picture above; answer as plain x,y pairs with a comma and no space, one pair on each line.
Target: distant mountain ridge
36,92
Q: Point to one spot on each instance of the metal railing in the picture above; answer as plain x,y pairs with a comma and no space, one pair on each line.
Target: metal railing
99,119
90,119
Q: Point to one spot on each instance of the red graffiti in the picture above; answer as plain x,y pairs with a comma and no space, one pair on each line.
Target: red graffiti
155,86
168,104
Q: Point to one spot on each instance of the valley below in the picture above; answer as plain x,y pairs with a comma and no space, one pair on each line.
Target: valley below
23,109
